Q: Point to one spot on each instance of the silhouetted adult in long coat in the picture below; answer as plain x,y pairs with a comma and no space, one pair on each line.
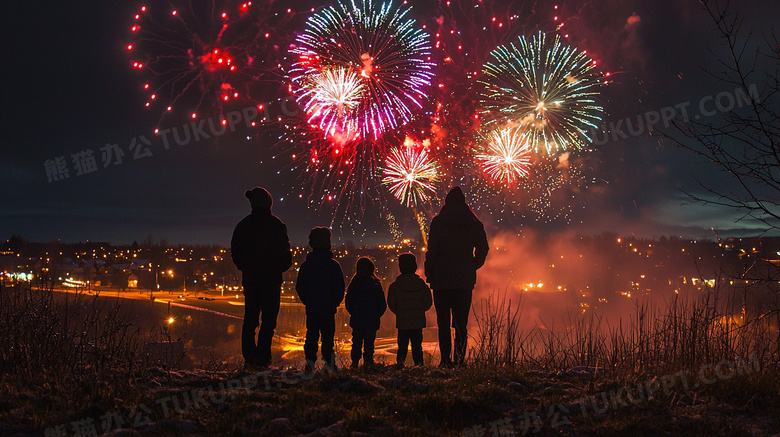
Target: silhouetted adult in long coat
261,250
457,247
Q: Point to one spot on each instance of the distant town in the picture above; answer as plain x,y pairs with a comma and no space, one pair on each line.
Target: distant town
595,268
157,266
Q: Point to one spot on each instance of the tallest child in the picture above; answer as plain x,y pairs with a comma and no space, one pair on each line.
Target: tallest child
320,287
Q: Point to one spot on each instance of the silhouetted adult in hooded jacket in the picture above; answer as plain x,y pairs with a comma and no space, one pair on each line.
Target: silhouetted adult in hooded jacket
457,247
261,250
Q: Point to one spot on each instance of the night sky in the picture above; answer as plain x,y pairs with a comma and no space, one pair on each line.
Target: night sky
68,87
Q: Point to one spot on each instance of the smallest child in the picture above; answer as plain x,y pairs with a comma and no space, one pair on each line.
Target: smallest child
365,303
409,298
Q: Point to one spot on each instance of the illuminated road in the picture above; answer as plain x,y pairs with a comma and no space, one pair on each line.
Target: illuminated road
229,305
233,307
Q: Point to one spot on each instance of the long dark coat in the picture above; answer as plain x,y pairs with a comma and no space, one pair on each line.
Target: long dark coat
457,246
260,247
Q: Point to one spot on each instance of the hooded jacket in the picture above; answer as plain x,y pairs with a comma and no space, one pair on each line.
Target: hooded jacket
409,298
365,303
260,247
320,283
457,246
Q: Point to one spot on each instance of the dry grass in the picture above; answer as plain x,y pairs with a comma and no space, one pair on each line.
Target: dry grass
685,333
65,357
61,352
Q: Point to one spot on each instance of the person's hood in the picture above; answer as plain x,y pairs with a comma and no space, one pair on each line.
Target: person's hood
455,209
455,196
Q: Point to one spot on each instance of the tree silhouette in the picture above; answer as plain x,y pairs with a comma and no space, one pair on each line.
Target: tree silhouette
743,143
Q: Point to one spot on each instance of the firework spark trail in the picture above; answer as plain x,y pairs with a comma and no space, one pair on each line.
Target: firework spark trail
337,174
545,87
553,190
393,227
410,174
360,70
378,43
463,33
422,222
333,98
507,156
199,64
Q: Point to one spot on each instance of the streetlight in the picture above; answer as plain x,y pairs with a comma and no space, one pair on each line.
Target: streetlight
157,277
170,324
156,280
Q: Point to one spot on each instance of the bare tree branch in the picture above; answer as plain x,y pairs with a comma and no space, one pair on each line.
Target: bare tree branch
744,143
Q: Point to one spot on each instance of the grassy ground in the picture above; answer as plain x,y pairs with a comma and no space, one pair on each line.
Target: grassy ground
79,368
386,401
